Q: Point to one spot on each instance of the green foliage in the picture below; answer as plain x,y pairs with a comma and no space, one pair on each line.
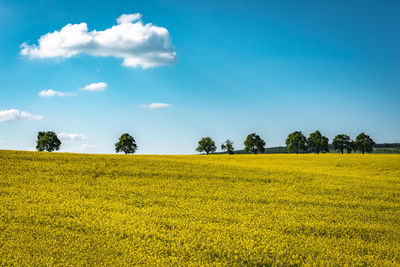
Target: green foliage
387,145
126,143
378,149
364,143
296,142
387,148
254,143
318,143
351,146
267,150
228,146
206,144
47,141
342,142
325,144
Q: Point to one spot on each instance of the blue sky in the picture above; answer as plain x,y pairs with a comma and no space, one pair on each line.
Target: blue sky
224,69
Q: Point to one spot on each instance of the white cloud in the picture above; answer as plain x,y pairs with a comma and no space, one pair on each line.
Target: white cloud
127,18
52,93
71,136
155,105
84,148
138,44
15,114
101,86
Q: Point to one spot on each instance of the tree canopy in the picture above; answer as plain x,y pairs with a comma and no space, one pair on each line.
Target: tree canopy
351,146
254,143
342,142
47,141
325,144
296,142
228,146
206,144
364,143
126,144
318,143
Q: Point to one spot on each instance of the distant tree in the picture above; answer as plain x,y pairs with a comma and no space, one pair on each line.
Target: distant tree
254,143
206,144
126,144
351,146
296,142
318,143
228,146
325,145
364,143
342,142
47,141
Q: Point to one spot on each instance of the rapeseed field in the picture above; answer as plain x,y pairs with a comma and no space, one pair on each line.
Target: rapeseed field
76,209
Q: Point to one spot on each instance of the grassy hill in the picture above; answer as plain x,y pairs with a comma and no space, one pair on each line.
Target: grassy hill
287,209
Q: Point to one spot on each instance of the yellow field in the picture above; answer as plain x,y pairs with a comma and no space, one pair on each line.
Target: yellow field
73,209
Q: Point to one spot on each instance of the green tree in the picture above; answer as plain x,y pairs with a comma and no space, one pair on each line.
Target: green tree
364,143
351,146
296,142
206,144
47,141
228,146
342,142
325,145
254,143
318,143
126,144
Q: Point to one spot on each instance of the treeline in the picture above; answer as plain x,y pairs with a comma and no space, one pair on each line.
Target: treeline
387,145
377,148
296,142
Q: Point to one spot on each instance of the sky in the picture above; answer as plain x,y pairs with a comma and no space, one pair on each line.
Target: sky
171,72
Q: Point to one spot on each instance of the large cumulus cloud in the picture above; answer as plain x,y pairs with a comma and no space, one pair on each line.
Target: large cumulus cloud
138,44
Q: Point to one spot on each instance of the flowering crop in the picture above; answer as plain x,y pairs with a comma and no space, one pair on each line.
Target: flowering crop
75,209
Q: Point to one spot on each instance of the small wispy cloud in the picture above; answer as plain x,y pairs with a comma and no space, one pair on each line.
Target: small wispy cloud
16,114
101,86
128,18
53,93
71,136
156,105
83,148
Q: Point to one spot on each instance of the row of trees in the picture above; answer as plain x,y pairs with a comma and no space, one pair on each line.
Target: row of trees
295,142
253,144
